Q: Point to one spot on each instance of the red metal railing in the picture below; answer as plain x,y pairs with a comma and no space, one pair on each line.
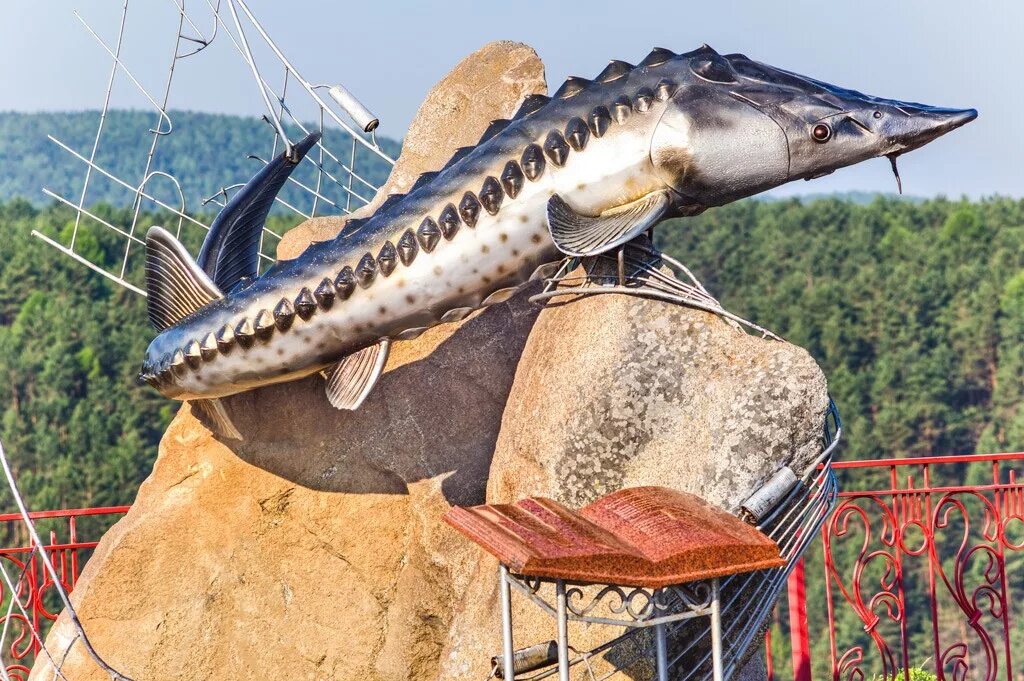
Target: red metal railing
35,592
922,563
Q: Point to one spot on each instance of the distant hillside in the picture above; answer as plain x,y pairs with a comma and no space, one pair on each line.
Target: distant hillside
856,197
205,152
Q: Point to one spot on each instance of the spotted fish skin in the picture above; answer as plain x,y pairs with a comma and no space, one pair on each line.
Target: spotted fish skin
697,126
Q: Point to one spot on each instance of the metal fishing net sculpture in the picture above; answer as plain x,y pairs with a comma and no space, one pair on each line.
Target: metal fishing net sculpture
332,180
329,183
666,627
637,268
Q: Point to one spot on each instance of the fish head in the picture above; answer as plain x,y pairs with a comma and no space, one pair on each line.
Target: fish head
744,127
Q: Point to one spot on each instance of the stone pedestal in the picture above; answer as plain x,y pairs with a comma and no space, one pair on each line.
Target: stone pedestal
315,549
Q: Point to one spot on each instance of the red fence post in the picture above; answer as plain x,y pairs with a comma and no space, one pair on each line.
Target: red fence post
799,637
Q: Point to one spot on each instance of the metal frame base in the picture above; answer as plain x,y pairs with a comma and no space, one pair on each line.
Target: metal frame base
639,269
634,608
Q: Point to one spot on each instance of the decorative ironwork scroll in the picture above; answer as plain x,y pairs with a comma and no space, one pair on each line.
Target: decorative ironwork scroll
26,618
926,549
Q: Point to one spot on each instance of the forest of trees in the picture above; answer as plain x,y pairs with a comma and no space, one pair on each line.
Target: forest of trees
914,309
205,153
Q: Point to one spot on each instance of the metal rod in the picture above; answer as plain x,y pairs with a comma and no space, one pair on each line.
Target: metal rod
259,79
662,652
124,184
351,164
96,268
52,572
507,651
563,632
103,118
303,82
716,632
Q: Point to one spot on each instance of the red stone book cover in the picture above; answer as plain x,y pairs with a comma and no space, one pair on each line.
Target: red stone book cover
641,536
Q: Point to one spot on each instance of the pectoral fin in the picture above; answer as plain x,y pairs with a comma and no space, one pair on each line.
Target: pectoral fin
584,235
353,378
217,417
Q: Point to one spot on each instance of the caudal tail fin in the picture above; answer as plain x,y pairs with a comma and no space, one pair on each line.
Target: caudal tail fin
175,285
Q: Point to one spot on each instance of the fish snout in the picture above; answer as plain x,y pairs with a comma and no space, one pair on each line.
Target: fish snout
911,126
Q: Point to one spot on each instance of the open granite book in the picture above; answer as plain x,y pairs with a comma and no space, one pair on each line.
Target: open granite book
641,536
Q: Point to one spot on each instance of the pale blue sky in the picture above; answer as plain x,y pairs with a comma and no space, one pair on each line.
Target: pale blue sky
943,52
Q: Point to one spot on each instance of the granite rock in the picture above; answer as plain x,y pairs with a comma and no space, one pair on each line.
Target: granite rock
615,391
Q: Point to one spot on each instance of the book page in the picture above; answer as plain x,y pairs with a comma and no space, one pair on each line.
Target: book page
660,523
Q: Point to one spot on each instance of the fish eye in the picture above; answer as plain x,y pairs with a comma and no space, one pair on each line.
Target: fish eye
821,133
877,114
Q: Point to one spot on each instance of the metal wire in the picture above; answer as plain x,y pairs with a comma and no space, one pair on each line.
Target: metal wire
38,546
636,269
333,187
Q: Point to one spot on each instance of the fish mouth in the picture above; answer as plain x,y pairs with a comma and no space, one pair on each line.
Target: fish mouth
925,124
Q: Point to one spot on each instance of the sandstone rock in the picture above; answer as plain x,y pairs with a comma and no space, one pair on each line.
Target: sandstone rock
662,395
315,549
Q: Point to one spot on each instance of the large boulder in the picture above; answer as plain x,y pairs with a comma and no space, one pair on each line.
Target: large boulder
489,84
315,549
615,391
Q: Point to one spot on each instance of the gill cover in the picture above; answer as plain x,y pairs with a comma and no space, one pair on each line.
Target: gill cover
712,147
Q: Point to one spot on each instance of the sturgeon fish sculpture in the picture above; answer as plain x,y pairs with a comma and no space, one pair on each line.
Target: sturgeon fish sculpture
579,173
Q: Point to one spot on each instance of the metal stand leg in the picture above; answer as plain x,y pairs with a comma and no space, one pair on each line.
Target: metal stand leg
563,632
662,651
506,624
716,632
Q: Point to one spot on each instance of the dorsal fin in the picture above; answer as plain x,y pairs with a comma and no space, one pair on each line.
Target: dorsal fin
494,128
230,251
388,203
530,104
572,86
175,285
459,154
423,179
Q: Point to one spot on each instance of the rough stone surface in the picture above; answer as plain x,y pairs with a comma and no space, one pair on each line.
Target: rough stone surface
665,394
315,549
489,84
661,396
